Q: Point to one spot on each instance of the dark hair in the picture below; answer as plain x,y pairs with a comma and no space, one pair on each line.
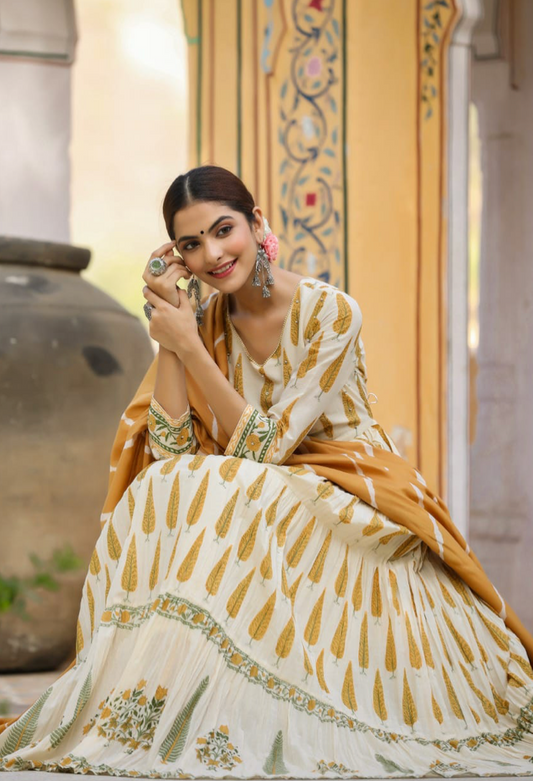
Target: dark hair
207,183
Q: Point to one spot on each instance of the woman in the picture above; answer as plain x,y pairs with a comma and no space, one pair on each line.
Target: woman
274,590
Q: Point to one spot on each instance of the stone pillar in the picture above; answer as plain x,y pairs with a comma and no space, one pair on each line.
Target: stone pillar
501,526
37,39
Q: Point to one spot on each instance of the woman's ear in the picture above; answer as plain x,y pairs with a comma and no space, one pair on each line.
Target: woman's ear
259,227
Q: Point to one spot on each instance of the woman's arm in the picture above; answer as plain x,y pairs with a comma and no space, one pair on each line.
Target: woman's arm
170,389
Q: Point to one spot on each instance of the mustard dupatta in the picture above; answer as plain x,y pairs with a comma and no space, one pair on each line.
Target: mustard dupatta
382,479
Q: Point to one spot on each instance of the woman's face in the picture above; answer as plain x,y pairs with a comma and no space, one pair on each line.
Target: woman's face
210,234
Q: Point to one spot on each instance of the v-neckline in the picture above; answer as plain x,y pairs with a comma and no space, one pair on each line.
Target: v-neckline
230,322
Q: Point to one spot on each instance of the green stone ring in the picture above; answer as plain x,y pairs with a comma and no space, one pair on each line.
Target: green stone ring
157,266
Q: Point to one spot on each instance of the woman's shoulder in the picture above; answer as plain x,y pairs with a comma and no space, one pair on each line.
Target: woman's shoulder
328,303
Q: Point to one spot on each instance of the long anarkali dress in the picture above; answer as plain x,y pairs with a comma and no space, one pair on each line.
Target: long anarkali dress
244,618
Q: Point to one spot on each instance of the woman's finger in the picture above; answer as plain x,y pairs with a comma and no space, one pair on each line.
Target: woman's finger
163,249
152,297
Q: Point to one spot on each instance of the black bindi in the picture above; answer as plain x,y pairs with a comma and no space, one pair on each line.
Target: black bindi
201,231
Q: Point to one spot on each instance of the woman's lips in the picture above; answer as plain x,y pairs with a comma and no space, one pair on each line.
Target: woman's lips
224,273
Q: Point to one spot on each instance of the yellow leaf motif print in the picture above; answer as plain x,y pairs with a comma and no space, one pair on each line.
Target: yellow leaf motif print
452,696
168,466
357,593
285,641
197,504
283,423
294,588
463,646
348,689
287,369
480,648
426,648
90,602
265,568
154,572
488,707
375,525
223,523
310,360
446,594
295,318
379,698
341,580
284,583
436,709
173,505
148,524
196,463
350,411
114,549
107,582
346,513
501,639
312,628
363,644
390,651
307,665
317,569
253,492
283,525
270,514
79,638
131,503
313,324
324,490
376,605
129,573
410,714
523,664
237,376
393,580
266,391
228,469
297,550
328,378
320,671
172,555
501,705
428,595
214,578
327,425
236,598
95,566
247,541
189,562
260,623
344,318
339,638
414,654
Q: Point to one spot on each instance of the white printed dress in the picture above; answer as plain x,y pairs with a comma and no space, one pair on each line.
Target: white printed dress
243,619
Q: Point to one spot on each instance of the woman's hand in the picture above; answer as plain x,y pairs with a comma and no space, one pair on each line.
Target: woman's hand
164,285
174,326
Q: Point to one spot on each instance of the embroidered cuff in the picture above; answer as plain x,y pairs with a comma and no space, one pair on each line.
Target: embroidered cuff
169,436
253,436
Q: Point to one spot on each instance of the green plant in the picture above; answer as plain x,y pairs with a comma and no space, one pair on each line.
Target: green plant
14,590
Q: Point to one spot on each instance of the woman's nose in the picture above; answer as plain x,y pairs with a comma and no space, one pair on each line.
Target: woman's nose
212,252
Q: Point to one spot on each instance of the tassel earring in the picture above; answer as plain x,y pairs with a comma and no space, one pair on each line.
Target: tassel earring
194,288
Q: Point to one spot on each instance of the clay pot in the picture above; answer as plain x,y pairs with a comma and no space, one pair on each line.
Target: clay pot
71,359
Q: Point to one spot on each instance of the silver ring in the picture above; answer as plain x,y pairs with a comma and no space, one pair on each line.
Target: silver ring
148,310
157,266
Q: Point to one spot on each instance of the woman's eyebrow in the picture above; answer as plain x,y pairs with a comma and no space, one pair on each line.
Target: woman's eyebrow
224,217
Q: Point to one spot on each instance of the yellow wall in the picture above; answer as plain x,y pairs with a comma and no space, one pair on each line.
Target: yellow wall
333,114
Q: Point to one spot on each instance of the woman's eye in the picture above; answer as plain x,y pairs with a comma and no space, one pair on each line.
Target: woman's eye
225,226
191,244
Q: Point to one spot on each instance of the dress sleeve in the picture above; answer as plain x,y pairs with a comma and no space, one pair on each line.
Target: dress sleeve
328,361
170,436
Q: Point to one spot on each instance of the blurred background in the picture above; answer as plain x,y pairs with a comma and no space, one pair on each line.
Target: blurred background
389,144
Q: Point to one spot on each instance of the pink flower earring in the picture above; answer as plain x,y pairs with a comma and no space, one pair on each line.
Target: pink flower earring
266,254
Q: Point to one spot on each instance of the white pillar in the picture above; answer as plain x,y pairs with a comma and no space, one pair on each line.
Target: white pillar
37,39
